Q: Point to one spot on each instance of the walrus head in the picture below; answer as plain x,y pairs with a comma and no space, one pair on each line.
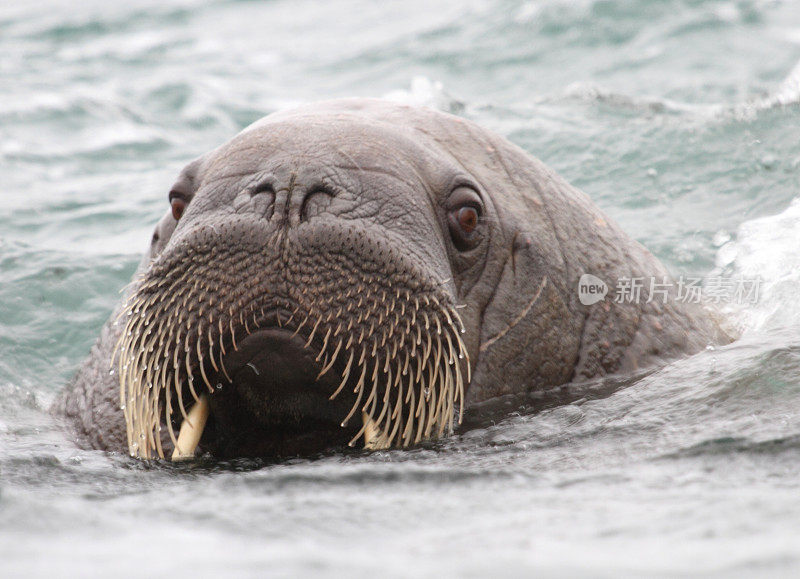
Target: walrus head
362,269
308,294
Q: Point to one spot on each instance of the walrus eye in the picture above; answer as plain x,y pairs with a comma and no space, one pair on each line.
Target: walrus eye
463,218
468,219
178,206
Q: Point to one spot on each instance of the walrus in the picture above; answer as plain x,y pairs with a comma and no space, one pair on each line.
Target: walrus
363,272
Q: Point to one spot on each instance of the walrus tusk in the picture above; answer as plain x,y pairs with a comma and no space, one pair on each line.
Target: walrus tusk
191,430
374,439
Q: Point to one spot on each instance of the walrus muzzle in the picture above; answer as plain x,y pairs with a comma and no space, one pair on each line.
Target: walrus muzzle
286,338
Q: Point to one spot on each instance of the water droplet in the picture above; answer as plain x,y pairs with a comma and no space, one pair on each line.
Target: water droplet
111,372
122,407
219,385
141,436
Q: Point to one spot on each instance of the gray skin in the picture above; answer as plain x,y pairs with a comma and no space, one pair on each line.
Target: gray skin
377,187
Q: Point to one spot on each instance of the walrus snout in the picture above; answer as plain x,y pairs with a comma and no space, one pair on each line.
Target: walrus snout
313,339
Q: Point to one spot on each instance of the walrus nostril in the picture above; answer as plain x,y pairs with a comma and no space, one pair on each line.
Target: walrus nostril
265,187
316,201
262,198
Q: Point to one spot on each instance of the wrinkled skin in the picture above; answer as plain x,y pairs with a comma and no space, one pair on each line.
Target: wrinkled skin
363,195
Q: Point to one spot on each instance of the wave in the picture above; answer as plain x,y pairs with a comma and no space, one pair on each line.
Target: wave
787,94
765,249
424,92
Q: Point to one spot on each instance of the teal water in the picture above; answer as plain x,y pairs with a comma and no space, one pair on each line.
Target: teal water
679,118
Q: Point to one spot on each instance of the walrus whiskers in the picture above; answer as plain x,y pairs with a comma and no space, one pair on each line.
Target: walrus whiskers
324,345
406,389
333,359
345,376
168,397
359,389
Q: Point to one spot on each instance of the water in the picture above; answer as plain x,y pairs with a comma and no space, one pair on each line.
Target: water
681,119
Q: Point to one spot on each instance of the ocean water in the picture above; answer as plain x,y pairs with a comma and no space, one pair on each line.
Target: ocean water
681,119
